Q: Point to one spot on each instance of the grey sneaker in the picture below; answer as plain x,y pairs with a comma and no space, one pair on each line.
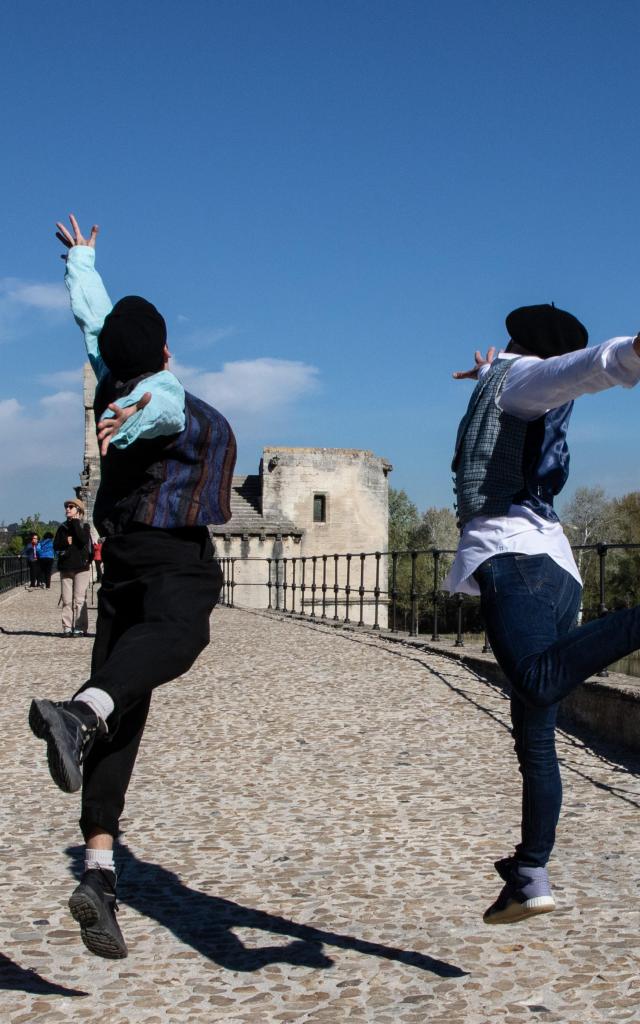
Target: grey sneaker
70,728
93,905
526,892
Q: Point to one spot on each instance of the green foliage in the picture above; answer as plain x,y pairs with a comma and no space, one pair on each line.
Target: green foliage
404,520
624,575
592,518
411,532
19,533
589,518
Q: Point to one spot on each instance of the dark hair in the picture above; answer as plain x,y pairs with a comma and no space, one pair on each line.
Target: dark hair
48,536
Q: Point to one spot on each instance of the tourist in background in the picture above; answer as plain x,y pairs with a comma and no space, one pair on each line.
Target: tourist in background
47,555
72,542
31,552
97,558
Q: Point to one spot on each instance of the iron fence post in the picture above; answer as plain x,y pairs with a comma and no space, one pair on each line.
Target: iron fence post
394,590
303,585
376,592
361,589
459,640
602,607
413,625
436,593
347,589
335,587
324,586
277,561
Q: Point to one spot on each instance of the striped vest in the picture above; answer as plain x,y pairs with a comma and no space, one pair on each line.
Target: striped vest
501,460
169,482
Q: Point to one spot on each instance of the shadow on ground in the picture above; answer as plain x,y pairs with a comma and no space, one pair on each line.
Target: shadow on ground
19,979
206,923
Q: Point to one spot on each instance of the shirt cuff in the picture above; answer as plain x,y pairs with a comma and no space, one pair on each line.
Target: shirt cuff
628,357
81,256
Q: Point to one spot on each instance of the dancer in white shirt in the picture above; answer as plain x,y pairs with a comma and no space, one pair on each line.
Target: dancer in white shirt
511,461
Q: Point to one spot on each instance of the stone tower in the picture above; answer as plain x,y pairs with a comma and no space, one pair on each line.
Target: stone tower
307,502
90,475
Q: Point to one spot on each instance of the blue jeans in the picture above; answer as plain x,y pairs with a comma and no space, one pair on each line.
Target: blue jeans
529,605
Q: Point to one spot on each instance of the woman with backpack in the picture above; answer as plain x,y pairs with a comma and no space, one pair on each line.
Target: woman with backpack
73,545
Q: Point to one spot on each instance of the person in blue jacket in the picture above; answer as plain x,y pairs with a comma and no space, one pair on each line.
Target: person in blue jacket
47,555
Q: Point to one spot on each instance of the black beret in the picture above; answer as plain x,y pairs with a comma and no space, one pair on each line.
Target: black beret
132,338
546,331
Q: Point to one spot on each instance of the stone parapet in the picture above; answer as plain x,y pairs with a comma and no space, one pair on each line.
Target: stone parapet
604,707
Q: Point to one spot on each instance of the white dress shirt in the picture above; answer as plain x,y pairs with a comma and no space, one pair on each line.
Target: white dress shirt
532,387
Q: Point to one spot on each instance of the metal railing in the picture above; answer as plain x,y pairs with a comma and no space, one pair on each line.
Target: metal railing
14,571
397,590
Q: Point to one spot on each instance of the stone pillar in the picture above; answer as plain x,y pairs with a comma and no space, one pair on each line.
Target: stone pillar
90,475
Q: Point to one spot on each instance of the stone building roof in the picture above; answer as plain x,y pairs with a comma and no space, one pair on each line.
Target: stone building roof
246,512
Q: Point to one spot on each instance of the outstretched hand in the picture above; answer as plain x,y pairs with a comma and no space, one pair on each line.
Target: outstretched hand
107,429
473,374
77,238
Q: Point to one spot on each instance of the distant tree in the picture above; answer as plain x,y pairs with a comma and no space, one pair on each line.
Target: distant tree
19,533
409,531
623,582
587,518
440,528
404,520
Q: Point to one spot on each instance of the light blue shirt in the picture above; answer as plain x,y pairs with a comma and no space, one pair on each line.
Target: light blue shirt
90,305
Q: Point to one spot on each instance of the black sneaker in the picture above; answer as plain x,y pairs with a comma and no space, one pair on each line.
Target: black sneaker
70,728
93,905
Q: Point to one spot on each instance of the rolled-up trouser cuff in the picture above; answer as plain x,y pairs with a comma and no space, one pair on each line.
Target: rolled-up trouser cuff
91,819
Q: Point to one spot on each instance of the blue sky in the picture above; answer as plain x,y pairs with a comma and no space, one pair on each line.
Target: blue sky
333,202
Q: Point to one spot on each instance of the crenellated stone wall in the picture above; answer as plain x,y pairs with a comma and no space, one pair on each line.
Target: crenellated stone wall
351,487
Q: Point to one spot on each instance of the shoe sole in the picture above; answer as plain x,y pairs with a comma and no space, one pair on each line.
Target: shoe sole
44,719
515,911
88,911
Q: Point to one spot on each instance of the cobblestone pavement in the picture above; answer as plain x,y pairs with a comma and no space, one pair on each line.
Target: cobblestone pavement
309,837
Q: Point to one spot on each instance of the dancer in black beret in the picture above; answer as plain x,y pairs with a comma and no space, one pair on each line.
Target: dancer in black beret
511,460
167,460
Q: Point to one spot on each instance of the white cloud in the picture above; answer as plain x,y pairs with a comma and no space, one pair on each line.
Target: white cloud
40,296
203,337
48,434
9,407
62,378
41,443
26,303
251,387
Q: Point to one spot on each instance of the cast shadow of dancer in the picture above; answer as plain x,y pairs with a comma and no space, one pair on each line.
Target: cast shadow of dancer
205,923
20,979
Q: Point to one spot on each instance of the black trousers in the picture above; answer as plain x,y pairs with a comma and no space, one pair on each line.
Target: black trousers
158,590
46,566
34,573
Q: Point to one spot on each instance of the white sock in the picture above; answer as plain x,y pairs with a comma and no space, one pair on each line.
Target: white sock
98,859
98,700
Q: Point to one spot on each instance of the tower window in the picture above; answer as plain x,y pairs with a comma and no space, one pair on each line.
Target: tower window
319,508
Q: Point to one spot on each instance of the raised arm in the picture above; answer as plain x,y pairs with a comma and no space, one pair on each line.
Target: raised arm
90,302
534,386
158,412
